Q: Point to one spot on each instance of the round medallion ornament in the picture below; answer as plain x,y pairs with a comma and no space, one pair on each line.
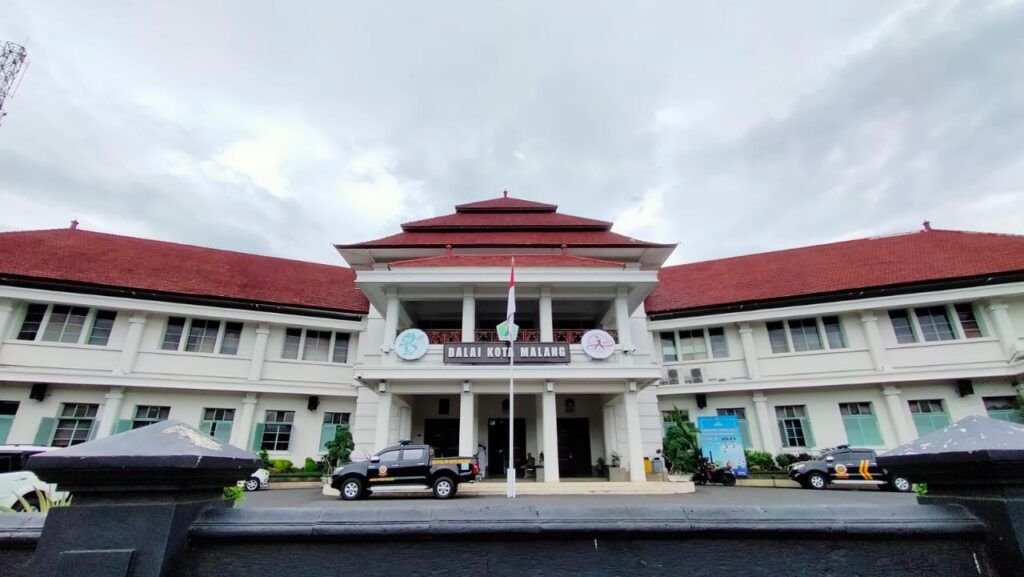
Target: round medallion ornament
382,471
411,344
597,344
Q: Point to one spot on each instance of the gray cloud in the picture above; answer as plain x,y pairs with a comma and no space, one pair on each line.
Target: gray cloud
280,130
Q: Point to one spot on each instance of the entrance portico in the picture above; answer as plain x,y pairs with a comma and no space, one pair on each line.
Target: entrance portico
561,429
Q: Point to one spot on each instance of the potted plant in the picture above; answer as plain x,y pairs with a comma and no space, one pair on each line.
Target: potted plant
615,473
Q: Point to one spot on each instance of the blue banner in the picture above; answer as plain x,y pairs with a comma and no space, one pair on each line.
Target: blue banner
722,443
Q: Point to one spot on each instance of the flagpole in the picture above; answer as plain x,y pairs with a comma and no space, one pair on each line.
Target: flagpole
511,492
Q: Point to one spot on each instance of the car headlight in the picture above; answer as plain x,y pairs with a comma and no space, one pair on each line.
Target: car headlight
796,466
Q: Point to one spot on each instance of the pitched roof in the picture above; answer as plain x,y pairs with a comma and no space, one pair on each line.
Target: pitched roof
506,220
504,260
506,203
926,256
108,260
510,238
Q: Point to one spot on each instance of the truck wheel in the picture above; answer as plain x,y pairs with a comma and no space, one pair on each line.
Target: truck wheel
351,489
445,487
817,481
251,484
899,484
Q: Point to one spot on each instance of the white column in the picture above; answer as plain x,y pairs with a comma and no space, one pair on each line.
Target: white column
550,410
468,315
111,412
241,436
622,320
6,312
874,338
1003,326
380,439
390,319
764,423
749,351
259,352
132,342
898,414
538,424
405,422
547,323
467,421
633,438
611,444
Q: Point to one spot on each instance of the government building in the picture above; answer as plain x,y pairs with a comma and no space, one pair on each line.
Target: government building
870,342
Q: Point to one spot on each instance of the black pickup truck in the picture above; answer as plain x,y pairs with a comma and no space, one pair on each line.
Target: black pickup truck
404,466
846,466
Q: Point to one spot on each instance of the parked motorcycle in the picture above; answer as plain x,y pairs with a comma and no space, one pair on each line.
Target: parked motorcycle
708,472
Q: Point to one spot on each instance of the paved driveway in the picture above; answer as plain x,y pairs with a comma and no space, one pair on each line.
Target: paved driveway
703,496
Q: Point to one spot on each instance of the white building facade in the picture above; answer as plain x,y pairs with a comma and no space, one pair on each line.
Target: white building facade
872,342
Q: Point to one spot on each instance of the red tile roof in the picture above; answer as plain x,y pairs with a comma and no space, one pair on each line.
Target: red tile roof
507,220
121,261
505,239
504,260
505,204
930,255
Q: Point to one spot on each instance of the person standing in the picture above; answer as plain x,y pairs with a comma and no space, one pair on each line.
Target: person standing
481,459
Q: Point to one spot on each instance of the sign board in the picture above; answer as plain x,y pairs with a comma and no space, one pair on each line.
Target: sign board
411,344
497,353
721,442
597,344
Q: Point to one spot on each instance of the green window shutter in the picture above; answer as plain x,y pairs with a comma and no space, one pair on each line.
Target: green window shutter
123,425
808,433
782,432
257,437
44,435
1011,415
223,432
5,427
869,429
327,433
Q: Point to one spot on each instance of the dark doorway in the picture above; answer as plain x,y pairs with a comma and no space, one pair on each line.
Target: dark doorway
443,436
497,445
574,448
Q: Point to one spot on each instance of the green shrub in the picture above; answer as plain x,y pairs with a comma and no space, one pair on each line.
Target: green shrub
784,460
42,503
680,444
921,489
310,466
339,449
235,494
281,465
760,461
266,459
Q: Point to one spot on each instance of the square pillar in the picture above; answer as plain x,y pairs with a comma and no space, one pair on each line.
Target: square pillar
241,436
547,323
383,430
259,352
764,422
550,414
132,341
749,351
467,421
611,442
633,438
870,323
899,414
468,315
622,320
390,319
111,412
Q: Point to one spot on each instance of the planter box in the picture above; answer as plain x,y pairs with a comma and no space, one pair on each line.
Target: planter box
618,475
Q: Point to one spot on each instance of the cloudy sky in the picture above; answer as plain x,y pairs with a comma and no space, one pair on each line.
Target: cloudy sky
283,127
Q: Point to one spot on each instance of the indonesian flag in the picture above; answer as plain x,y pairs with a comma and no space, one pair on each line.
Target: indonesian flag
510,314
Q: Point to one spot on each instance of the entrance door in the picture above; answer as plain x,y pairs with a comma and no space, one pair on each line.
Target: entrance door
497,446
443,436
574,448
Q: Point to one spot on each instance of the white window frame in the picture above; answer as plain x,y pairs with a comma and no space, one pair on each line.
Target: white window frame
954,322
83,337
822,335
187,328
707,345
330,347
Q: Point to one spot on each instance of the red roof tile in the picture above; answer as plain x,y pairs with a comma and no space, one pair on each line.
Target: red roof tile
507,220
504,260
120,261
931,255
505,204
504,239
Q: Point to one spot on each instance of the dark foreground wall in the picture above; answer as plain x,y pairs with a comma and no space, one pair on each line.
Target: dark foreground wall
456,540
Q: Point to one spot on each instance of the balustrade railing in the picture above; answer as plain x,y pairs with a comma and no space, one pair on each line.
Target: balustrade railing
442,336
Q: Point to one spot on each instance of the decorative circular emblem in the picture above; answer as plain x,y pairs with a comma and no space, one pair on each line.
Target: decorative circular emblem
841,471
382,471
411,344
597,344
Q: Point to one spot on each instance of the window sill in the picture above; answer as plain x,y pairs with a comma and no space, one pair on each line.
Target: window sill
311,363
194,354
925,344
812,353
82,346
703,361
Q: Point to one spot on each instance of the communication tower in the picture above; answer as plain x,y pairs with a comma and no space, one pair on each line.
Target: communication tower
12,63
